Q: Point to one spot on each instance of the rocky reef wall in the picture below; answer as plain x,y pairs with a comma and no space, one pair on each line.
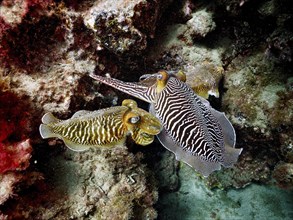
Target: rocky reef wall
239,52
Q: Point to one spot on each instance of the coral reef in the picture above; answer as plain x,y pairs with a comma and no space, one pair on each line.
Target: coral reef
194,201
283,175
199,25
167,168
28,34
267,98
233,7
15,157
176,48
239,51
262,110
246,171
286,147
15,147
46,54
99,184
279,46
14,115
124,27
6,186
256,93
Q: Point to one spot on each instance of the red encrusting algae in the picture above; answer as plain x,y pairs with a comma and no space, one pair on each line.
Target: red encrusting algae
15,157
15,146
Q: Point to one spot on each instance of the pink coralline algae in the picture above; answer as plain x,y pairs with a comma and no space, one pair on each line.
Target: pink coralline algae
15,157
15,147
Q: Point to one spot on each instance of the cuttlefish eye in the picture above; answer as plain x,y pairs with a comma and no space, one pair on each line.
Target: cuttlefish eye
162,79
162,76
134,120
159,76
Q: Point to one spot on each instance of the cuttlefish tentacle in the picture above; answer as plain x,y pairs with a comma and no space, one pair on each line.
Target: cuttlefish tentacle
137,90
142,125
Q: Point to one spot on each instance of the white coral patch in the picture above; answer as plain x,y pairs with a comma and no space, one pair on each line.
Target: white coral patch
12,14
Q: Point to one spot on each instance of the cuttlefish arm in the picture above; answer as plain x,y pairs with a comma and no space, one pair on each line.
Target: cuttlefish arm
139,91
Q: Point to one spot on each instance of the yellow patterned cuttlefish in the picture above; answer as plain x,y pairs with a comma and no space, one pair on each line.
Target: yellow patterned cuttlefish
197,134
103,128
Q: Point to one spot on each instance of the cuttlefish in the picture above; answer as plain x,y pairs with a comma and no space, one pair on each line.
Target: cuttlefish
103,128
196,133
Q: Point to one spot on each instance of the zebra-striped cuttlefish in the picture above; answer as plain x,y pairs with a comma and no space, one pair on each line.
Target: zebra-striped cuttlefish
196,133
103,128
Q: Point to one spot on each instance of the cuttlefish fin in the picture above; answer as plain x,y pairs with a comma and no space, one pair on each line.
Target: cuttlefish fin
49,118
204,167
227,128
80,113
74,146
231,153
46,131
